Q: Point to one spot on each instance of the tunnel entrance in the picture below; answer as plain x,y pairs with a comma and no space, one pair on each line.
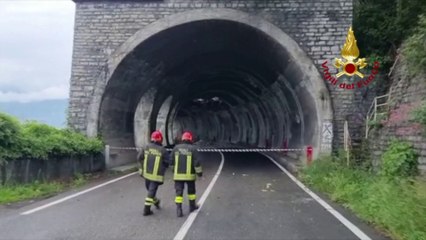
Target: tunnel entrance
226,78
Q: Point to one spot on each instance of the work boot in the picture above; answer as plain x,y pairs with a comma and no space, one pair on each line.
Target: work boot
147,211
179,212
192,206
157,203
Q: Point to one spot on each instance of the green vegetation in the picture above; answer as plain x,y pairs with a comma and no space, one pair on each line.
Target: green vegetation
16,193
79,180
414,49
419,115
393,199
379,119
9,137
381,26
361,156
399,160
375,123
32,140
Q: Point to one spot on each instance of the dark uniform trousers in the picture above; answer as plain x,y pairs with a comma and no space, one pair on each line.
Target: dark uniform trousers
152,188
180,186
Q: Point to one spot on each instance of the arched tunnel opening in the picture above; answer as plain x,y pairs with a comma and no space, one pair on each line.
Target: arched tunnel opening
225,81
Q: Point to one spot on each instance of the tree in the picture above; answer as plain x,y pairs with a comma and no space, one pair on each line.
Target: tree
382,25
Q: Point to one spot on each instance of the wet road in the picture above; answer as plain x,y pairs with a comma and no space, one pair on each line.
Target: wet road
251,199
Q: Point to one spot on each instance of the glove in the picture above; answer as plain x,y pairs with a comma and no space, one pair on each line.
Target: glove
140,172
200,174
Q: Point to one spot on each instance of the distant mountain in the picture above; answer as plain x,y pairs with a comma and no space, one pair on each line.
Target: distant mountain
52,112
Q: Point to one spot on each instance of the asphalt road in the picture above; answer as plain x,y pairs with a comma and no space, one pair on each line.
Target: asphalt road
252,199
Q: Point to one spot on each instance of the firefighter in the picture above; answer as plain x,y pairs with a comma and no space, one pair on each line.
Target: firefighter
153,161
186,166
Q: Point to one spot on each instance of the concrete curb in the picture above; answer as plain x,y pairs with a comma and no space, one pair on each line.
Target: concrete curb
128,168
287,164
291,167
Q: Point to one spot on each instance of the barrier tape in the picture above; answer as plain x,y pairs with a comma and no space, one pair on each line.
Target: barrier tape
226,149
249,150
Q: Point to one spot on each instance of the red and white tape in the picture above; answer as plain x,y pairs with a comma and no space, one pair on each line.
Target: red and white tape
226,149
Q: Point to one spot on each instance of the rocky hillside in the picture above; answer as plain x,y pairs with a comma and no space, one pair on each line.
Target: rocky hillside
408,93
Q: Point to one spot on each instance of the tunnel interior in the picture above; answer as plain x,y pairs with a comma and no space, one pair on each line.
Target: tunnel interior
224,81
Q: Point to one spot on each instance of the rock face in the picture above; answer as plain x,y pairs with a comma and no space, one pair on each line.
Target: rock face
407,94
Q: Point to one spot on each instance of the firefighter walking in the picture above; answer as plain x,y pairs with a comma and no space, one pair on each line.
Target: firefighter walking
153,161
186,169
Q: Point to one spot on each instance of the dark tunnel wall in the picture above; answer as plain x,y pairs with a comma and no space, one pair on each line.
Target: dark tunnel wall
227,81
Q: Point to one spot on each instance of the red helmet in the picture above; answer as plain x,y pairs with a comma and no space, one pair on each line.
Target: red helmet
156,136
187,136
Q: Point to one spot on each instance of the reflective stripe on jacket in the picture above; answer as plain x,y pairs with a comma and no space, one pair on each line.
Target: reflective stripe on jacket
154,162
185,161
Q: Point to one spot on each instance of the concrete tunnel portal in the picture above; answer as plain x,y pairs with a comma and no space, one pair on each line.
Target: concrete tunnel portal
241,81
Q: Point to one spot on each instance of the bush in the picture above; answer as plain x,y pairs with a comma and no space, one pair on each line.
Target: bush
399,160
46,141
414,49
34,140
9,137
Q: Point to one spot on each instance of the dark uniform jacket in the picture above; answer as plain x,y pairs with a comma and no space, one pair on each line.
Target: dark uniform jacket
184,158
153,161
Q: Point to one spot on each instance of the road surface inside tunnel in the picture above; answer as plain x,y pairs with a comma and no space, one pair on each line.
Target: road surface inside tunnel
251,199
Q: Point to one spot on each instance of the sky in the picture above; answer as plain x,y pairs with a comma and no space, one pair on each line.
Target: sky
36,40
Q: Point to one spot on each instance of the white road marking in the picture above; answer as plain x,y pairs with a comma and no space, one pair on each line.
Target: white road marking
75,195
360,234
187,224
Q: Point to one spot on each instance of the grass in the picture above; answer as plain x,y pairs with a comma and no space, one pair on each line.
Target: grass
79,180
19,192
396,205
16,193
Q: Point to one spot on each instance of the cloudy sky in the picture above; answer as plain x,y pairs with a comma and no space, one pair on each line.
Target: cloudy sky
36,39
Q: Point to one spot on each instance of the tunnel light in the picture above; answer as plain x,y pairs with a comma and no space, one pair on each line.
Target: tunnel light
202,100
199,100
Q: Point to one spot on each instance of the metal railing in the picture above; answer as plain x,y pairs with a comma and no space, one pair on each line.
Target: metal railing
372,112
378,102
